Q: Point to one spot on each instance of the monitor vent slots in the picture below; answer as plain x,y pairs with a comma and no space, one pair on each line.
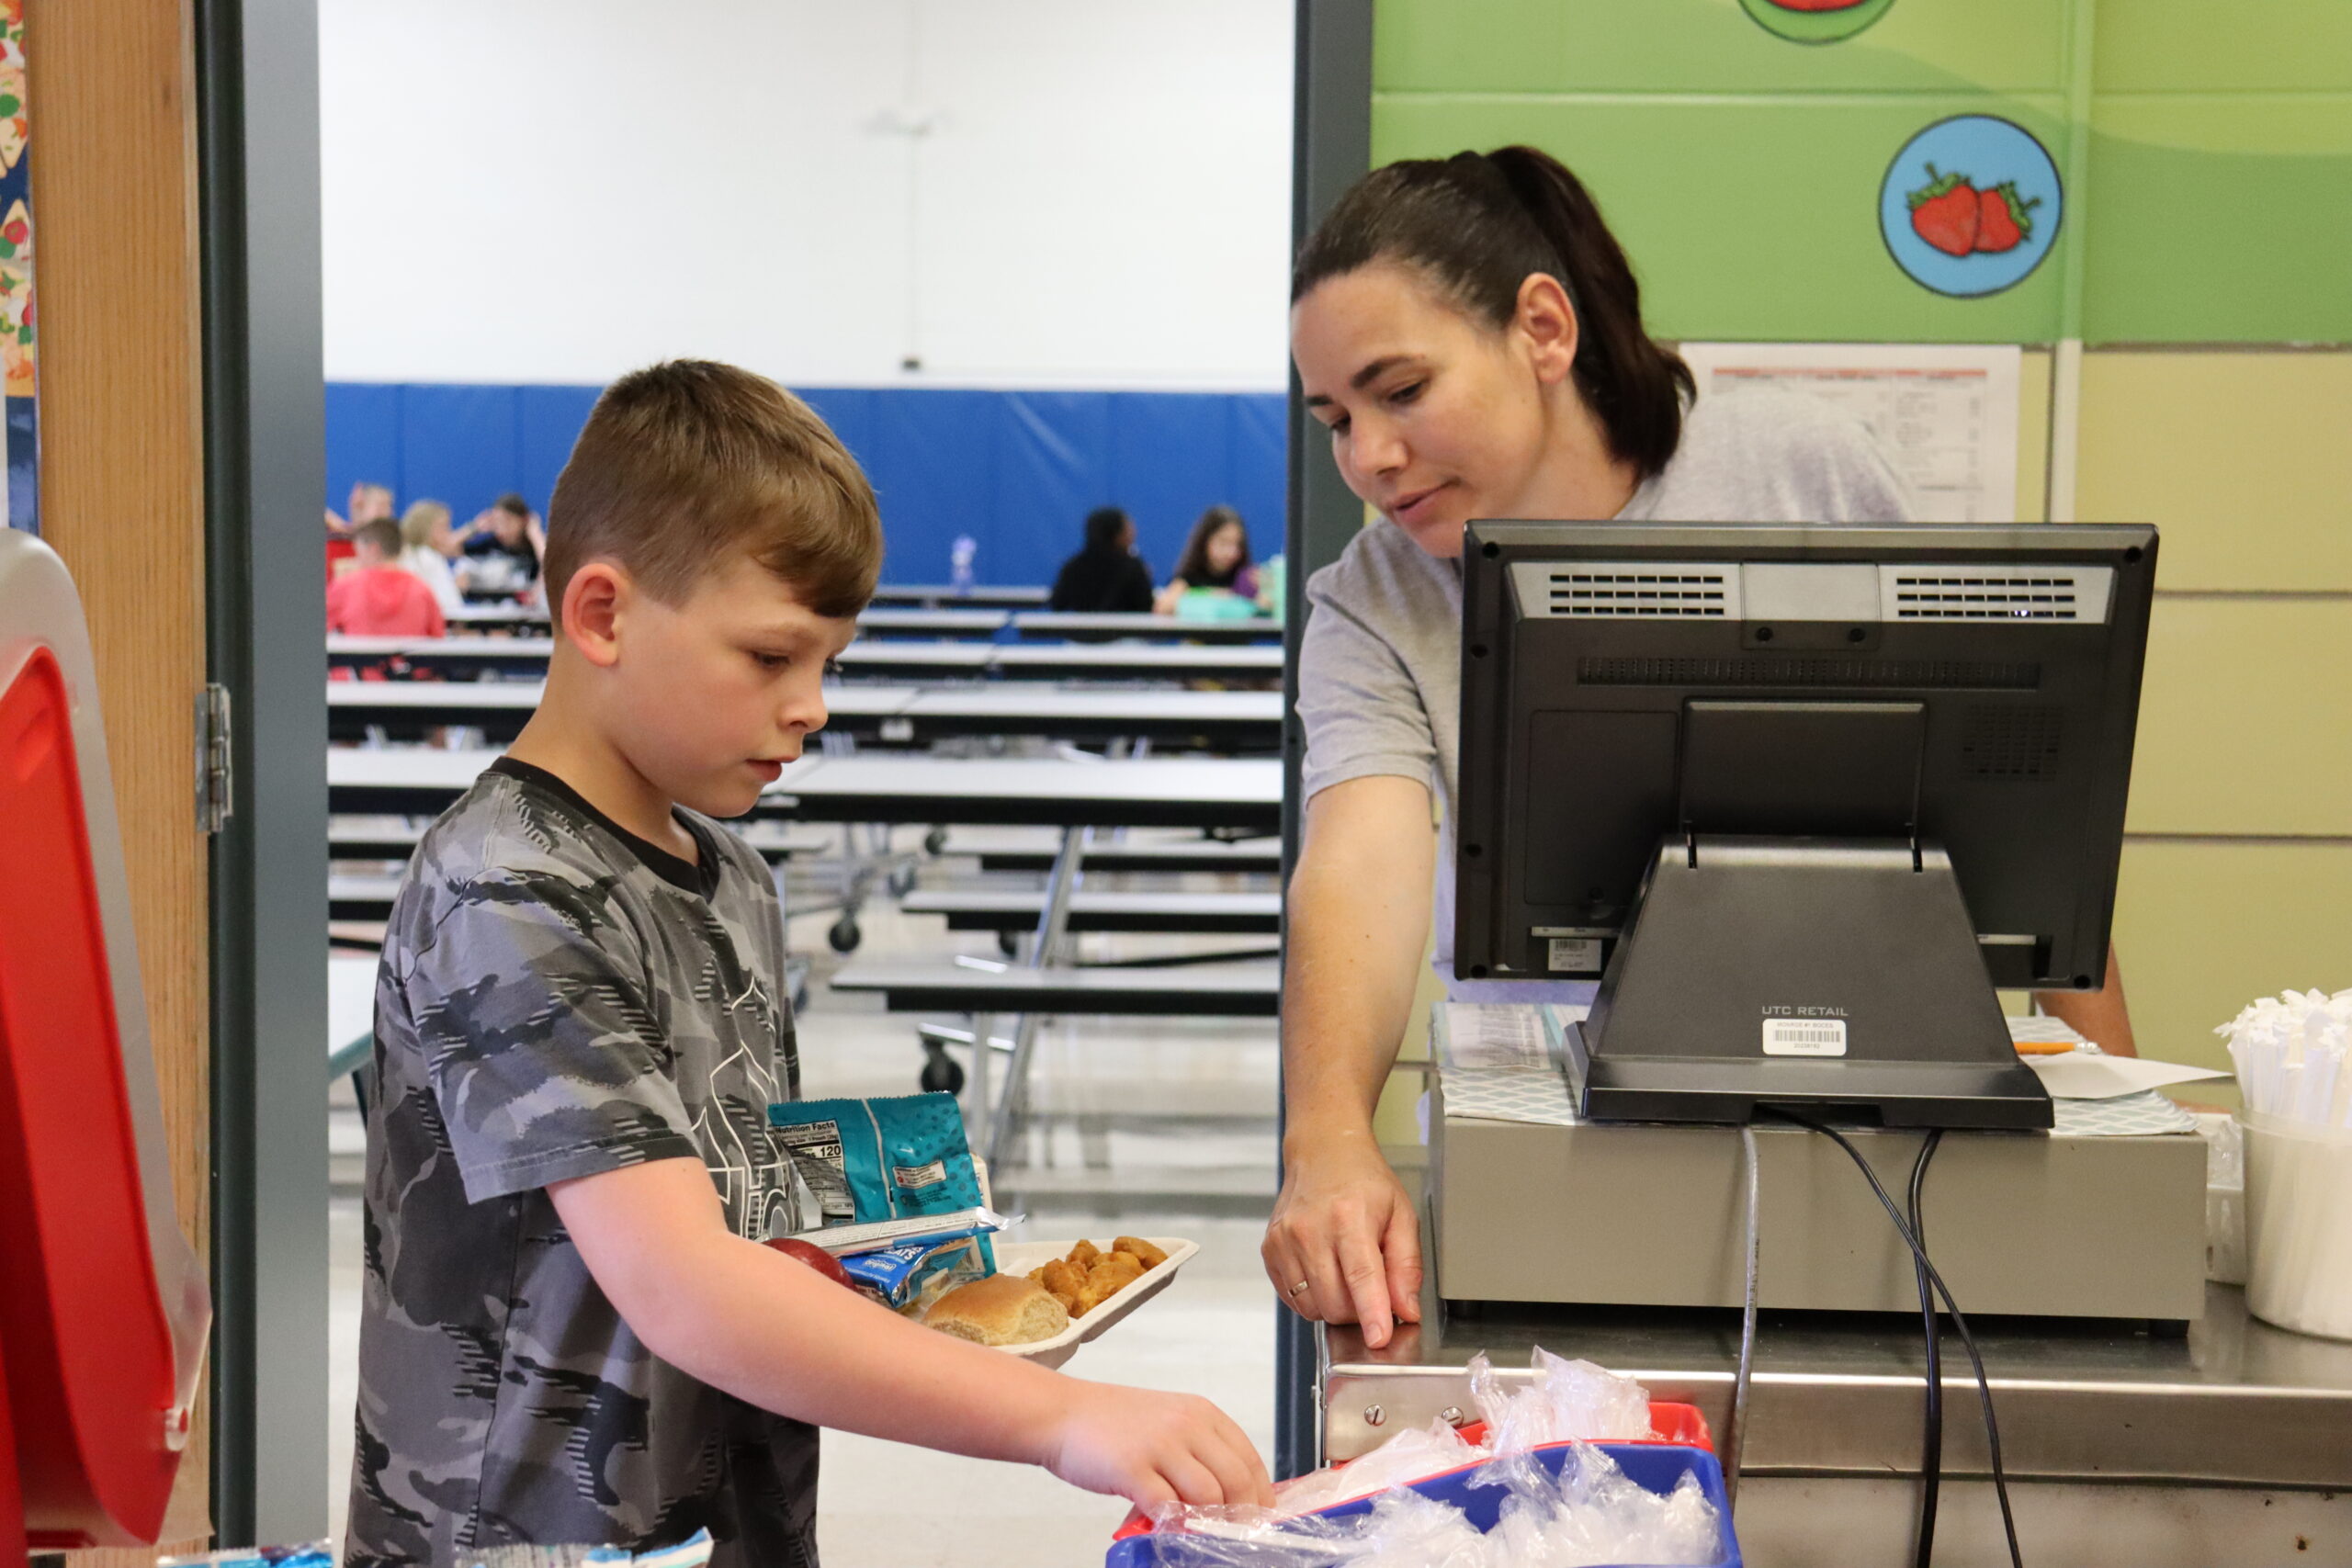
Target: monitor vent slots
2011,742
1792,670
1699,594
1972,595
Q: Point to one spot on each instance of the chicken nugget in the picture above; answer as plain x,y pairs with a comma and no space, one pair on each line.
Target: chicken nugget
1061,1279
1123,1259
1084,1253
1143,1251
1097,1291
1112,1273
1069,1302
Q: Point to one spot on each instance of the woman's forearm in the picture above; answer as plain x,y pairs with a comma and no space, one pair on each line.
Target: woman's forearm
1359,913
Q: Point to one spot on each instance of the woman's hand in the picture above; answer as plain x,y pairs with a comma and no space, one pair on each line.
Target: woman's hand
1346,1229
1151,1447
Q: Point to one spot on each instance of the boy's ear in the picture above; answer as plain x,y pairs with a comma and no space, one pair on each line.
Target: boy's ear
592,603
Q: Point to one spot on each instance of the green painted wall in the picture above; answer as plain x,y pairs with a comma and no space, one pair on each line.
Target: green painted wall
1742,170
2214,208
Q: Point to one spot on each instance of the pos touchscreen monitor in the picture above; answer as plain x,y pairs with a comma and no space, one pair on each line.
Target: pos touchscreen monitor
1799,796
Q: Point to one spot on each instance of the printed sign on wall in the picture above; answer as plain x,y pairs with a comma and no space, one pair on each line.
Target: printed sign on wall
1970,205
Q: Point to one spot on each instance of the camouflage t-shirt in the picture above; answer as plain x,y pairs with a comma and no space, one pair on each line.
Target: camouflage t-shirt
559,997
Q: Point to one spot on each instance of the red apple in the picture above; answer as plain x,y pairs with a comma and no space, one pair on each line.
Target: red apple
816,1256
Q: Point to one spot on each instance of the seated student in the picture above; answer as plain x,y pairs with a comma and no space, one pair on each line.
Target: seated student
426,543
375,598
570,1332
1106,574
1216,555
503,547
369,502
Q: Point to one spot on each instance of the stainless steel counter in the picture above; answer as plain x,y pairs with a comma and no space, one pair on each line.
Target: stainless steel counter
2231,1443
2234,1403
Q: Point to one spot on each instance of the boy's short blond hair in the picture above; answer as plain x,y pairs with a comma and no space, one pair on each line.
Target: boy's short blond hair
683,464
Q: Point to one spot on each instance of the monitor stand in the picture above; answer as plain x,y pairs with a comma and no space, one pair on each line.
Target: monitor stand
1838,977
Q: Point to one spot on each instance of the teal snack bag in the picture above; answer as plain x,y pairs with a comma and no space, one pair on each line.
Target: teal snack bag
862,1160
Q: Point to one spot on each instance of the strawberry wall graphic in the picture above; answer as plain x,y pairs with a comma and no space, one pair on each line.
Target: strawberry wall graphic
1814,21
1970,205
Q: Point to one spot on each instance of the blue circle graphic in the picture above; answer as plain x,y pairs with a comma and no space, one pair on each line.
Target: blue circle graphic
1989,155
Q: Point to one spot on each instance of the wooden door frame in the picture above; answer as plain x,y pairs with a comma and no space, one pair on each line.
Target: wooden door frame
265,446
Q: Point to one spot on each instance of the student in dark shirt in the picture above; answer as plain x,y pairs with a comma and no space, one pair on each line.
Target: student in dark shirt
1107,574
570,1334
502,547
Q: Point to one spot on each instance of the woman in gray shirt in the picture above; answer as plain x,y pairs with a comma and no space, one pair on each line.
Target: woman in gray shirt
1471,335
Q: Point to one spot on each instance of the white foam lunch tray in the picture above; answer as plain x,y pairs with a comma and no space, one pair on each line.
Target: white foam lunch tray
1019,1256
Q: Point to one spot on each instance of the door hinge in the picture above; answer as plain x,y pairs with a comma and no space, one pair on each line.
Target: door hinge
215,798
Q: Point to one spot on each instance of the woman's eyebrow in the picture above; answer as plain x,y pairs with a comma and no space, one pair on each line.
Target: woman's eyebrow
1376,370
1363,377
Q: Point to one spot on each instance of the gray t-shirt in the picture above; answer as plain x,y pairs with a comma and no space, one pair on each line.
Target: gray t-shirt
558,998
1380,667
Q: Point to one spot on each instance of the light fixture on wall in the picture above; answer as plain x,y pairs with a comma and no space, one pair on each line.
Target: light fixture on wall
914,125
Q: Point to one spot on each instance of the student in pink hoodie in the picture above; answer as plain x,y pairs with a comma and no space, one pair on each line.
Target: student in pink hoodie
375,597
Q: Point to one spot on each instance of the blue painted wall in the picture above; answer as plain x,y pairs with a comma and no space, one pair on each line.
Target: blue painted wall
1016,470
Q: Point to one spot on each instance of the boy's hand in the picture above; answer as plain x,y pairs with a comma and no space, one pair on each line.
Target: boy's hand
1150,1447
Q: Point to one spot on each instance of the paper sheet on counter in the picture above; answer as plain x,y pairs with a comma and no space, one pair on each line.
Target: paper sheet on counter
2093,1075
1504,1063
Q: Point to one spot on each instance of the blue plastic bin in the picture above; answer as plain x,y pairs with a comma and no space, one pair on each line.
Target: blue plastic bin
1655,1466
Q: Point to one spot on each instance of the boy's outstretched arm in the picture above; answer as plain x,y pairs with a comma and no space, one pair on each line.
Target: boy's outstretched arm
749,1320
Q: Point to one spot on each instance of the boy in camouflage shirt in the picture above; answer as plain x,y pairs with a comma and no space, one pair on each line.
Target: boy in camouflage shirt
571,1333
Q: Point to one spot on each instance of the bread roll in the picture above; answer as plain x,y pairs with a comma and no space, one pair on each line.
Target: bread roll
1003,1309
1143,1251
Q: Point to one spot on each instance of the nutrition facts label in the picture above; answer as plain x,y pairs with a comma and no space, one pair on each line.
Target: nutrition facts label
1945,414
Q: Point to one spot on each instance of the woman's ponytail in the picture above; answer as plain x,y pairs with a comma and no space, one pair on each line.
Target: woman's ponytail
1478,225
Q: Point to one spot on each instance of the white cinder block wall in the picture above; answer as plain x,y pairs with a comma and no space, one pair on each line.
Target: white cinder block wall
1090,193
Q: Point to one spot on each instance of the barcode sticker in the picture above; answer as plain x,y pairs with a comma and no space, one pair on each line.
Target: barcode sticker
920,1175
1804,1037
1573,955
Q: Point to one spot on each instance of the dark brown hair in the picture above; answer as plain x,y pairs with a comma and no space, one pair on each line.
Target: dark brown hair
1192,565
681,464
383,533
1478,225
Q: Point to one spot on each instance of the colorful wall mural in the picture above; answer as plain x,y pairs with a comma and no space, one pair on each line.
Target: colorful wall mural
2167,184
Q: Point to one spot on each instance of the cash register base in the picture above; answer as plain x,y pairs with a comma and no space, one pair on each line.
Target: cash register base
1635,1215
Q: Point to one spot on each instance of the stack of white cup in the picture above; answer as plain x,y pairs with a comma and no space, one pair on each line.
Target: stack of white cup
2291,1053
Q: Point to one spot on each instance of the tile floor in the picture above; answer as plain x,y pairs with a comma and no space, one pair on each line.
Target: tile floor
1156,1126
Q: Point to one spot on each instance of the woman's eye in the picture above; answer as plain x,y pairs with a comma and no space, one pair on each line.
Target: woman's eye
769,660
1409,392
1338,426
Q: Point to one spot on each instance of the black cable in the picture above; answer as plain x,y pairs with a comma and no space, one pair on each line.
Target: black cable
1958,1323
1931,1444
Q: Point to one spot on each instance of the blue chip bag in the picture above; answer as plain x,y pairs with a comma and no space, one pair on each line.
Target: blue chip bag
862,1160
910,1276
